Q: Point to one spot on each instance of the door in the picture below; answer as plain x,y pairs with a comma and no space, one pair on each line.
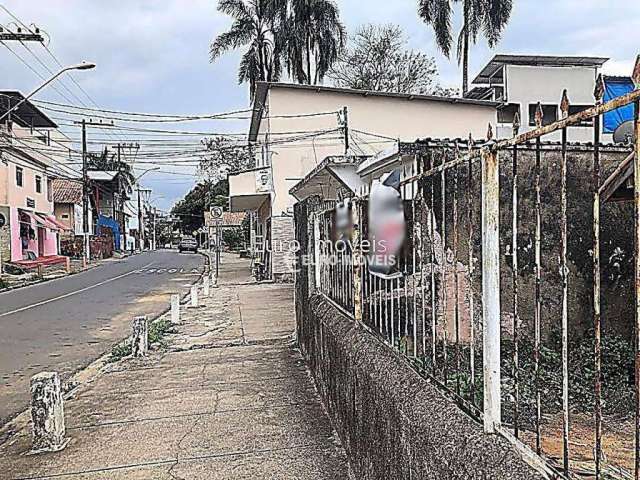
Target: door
41,234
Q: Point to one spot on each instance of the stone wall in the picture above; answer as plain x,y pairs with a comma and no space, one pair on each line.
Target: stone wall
5,236
393,423
282,251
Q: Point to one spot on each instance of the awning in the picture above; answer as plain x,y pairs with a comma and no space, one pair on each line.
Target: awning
47,222
34,219
58,223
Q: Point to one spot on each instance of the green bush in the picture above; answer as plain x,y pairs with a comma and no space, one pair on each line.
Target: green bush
157,332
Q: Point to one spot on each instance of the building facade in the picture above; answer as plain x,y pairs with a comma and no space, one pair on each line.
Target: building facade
28,162
519,82
295,127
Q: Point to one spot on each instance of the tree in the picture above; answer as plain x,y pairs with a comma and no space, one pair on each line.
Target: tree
314,39
225,157
489,17
378,59
190,210
258,26
110,163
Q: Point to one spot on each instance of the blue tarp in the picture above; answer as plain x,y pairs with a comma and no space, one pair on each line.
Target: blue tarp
616,87
113,225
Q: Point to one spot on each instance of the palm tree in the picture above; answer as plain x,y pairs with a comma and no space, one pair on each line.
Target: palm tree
488,17
314,39
257,25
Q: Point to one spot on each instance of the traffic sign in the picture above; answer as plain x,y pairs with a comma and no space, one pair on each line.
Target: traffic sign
216,212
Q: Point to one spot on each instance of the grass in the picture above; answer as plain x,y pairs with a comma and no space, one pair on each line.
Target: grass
157,331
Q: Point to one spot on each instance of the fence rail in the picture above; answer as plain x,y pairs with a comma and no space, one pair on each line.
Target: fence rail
501,260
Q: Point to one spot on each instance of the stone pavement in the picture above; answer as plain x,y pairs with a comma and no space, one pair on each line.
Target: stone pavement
227,398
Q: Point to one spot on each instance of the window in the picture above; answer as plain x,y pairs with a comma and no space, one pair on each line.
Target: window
65,216
549,114
573,109
507,113
38,184
49,191
19,176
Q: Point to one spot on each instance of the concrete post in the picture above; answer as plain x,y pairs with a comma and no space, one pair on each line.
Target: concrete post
214,279
205,287
194,296
175,308
47,413
67,264
40,270
140,337
491,290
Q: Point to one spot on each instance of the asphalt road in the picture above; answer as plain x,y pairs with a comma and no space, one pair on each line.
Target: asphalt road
65,324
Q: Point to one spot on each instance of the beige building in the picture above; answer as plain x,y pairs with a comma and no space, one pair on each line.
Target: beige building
296,127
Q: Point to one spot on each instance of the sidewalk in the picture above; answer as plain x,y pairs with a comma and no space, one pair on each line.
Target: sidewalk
229,398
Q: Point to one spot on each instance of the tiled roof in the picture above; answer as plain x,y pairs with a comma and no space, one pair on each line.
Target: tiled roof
66,191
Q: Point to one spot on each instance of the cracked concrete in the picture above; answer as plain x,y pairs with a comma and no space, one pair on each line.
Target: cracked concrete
229,398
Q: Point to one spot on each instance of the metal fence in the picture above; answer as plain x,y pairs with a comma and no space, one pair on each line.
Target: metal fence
493,328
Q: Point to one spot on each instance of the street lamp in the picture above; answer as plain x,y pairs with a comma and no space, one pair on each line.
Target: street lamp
80,66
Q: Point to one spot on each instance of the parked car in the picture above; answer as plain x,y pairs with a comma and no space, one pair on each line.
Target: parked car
188,244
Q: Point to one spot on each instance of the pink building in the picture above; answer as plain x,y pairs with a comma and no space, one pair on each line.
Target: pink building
26,168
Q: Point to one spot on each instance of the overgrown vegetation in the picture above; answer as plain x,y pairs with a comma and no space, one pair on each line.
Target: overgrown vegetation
157,331
617,376
3,283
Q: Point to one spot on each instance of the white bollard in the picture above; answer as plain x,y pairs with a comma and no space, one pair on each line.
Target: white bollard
194,296
140,337
205,287
214,279
47,413
175,308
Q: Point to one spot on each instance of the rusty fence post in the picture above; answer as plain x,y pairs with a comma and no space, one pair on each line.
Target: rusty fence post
491,289
636,202
356,255
47,413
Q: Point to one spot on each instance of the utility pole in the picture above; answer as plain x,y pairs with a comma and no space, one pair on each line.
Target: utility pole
154,229
85,196
140,227
121,201
20,36
345,127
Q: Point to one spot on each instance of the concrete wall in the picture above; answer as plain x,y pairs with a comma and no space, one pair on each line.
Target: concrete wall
527,85
393,423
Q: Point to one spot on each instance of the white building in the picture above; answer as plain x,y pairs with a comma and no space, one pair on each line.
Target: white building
295,127
519,82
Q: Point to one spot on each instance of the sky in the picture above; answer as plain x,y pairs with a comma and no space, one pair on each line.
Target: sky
152,55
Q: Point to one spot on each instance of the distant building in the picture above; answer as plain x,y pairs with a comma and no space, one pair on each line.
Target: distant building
519,82
67,201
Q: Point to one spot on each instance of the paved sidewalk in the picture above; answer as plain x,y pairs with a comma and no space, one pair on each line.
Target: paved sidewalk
230,398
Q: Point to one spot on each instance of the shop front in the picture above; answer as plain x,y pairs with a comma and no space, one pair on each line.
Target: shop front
33,235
